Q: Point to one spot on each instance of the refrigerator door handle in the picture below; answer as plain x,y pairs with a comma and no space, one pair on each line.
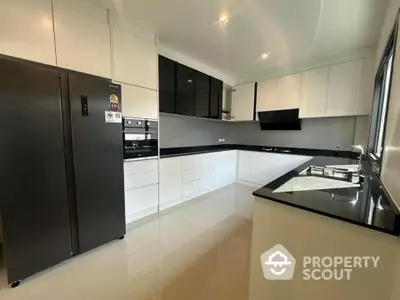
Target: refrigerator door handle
84,104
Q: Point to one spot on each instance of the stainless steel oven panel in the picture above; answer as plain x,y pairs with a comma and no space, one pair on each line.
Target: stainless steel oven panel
140,136
134,123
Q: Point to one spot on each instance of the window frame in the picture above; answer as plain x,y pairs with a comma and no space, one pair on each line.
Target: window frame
379,101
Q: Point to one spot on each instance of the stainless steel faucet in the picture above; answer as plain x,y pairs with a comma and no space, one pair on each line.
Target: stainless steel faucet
359,147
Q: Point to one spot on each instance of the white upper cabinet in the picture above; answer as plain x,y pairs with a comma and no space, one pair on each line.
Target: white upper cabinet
314,89
82,35
134,54
267,95
26,30
139,102
279,93
344,89
289,91
243,102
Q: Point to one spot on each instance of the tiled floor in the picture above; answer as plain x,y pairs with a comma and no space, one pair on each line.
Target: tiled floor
200,251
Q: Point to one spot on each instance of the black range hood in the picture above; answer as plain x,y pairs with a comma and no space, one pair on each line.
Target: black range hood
280,120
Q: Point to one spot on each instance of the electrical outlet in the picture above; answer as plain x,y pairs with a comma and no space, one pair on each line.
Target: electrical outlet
221,140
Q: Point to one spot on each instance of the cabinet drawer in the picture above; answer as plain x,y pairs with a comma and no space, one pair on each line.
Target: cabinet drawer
190,162
138,180
191,188
140,166
191,175
141,199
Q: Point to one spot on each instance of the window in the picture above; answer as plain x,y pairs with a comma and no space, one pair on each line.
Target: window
383,107
380,105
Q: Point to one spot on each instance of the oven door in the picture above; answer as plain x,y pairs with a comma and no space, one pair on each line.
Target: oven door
140,145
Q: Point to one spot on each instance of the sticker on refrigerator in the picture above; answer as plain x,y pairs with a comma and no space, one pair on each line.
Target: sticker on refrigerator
114,103
113,117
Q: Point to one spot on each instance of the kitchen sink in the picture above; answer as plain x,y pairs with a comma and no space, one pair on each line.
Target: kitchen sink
349,173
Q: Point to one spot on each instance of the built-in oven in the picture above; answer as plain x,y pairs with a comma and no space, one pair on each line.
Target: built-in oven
140,138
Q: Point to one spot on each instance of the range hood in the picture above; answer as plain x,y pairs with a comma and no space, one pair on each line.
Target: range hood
280,120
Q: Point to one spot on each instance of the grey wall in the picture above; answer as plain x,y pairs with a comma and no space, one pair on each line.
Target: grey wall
181,131
325,133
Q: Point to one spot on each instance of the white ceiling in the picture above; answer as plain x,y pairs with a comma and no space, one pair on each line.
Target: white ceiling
292,31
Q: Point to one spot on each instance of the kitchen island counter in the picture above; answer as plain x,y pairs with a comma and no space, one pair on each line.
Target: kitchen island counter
367,205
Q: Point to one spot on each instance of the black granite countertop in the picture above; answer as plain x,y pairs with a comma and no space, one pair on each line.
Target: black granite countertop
367,205
183,151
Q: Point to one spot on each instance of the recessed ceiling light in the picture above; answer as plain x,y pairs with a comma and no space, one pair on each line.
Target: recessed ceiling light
264,55
224,19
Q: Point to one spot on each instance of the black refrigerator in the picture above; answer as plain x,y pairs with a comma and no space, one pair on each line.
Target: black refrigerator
61,165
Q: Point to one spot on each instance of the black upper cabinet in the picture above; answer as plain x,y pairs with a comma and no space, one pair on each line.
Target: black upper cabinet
185,77
185,91
216,87
167,84
202,95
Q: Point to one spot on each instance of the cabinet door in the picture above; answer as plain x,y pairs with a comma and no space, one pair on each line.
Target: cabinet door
170,180
135,58
243,102
191,162
289,91
245,159
191,189
314,90
167,84
190,175
260,168
225,168
207,172
267,96
216,87
141,202
344,89
139,102
202,95
82,36
185,90
279,164
26,30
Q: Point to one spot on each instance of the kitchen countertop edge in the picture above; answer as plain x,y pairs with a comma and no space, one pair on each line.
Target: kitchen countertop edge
184,151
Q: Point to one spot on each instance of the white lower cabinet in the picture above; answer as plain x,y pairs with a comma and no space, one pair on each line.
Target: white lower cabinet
134,181
190,175
191,190
170,182
258,169
244,165
187,177
207,176
141,202
225,168
141,189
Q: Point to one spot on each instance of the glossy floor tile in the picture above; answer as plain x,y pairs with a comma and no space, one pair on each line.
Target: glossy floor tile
199,251
209,249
